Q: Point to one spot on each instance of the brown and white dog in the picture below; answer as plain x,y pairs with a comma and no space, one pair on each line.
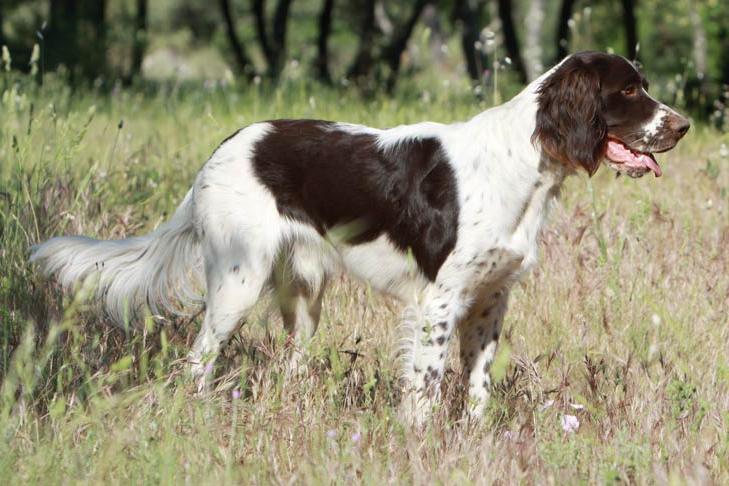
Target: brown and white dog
444,217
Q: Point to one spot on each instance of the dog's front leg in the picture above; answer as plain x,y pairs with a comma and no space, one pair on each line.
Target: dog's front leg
479,336
429,327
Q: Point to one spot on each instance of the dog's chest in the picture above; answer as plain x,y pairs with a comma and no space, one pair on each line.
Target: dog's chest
500,225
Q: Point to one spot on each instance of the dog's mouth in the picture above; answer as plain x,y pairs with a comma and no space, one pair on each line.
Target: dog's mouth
629,161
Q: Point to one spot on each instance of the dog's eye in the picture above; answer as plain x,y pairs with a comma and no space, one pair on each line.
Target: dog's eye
630,91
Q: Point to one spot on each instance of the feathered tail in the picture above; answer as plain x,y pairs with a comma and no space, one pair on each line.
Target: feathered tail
161,269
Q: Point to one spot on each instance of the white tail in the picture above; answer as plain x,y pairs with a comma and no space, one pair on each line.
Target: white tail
161,269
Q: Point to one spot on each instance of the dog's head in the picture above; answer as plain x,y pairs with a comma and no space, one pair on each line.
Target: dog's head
596,107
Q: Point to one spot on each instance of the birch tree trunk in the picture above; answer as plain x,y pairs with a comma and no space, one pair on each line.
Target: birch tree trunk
533,42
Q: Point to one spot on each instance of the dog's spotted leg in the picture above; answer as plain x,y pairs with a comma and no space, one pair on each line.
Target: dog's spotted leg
430,326
232,293
479,336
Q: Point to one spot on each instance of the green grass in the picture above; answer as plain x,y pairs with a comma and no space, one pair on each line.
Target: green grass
625,316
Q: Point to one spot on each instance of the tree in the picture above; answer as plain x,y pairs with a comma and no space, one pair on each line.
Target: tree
469,14
533,43
362,64
241,58
390,51
140,40
392,54
631,29
76,37
563,29
273,47
2,36
322,43
511,41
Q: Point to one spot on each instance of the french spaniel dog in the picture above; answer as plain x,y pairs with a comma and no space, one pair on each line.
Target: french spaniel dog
444,217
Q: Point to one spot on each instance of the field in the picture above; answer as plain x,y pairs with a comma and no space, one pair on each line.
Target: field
623,326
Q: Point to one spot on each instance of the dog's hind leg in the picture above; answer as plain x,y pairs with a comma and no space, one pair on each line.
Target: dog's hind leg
300,280
233,289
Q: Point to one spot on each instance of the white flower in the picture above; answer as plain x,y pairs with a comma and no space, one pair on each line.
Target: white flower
570,423
546,405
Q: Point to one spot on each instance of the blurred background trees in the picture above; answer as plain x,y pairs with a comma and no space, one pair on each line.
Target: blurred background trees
374,45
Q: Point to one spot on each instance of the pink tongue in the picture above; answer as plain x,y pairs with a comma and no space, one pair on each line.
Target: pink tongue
618,152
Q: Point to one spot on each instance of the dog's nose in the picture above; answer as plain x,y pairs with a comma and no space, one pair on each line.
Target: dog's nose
680,125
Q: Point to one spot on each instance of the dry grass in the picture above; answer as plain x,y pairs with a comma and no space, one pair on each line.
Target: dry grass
623,325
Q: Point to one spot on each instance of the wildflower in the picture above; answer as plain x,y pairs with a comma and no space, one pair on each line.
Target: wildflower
577,406
356,437
656,320
235,394
208,368
331,433
546,405
570,423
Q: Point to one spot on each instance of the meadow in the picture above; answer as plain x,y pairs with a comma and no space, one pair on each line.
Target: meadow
614,364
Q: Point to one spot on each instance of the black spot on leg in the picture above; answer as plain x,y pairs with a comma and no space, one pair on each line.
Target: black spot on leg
442,355
434,374
443,325
496,335
243,281
483,345
235,268
440,340
416,369
444,305
485,383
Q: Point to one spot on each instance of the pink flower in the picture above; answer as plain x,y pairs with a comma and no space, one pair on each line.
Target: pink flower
236,394
570,423
332,434
356,437
208,368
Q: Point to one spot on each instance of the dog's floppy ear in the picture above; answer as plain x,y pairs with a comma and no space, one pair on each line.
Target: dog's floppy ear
570,127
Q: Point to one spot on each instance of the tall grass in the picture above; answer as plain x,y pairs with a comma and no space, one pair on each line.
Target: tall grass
623,325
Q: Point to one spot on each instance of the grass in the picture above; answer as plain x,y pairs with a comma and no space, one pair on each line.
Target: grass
623,324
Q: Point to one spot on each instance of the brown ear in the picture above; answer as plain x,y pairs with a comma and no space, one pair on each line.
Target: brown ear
570,127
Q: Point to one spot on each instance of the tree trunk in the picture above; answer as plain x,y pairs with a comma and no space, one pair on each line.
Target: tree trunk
93,59
259,12
699,49
322,43
563,29
61,42
2,36
533,45
274,48
140,40
362,64
393,52
470,16
511,41
278,44
239,54
631,29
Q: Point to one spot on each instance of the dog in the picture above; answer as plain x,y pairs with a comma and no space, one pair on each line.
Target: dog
444,217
